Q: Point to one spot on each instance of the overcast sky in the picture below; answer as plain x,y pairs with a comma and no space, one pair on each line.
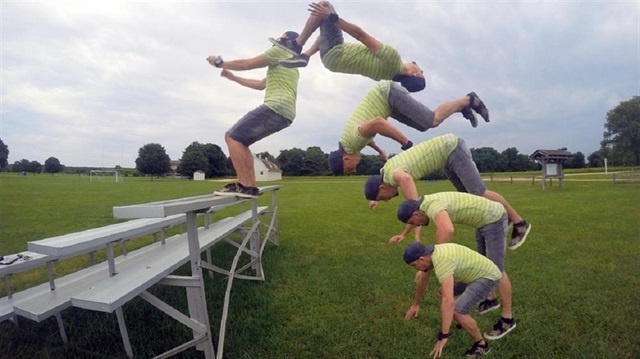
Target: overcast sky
91,82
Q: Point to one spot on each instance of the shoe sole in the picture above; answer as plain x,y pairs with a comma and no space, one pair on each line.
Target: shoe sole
469,115
275,42
292,65
233,194
483,354
489,310
524,238
481,108
496,337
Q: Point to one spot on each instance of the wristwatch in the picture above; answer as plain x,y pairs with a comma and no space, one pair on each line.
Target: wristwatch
333,18
442,335
218,62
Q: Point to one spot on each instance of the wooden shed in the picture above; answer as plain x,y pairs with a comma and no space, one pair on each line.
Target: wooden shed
551,162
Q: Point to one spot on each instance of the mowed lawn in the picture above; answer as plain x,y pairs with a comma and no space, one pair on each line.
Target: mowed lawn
335,288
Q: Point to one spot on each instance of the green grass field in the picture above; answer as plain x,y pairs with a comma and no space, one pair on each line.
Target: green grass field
336,289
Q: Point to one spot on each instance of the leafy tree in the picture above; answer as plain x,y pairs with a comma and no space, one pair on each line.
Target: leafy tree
52,165
290,161
596,159
215,158
515,161
34,167
622,133
4,154
576,161
488,159
230,170
19,166
153,160
314,162
369,165
192,161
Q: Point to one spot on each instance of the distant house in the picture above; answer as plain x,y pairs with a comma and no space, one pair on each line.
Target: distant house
173,164
198,175
266,170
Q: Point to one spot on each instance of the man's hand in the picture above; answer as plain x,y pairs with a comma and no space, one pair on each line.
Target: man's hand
212,59
373,205
396,239
412,312
437,350
226,73
320,11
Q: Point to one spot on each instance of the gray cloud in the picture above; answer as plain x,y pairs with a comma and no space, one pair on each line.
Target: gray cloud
92,82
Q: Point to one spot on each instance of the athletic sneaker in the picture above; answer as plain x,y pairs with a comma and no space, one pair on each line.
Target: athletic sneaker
500,329
488,305
289,45
478,350
469,115
236,189
519,234
478,106
295,61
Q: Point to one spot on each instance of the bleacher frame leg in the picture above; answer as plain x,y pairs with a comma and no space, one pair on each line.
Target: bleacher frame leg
195,296
63,332
124,333
254,242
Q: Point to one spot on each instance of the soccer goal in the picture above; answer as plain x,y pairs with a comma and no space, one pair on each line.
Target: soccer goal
106,176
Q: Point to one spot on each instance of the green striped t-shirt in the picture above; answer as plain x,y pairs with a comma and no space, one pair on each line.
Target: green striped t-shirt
356,58
422,159
463,208
375,104
282,84
465,264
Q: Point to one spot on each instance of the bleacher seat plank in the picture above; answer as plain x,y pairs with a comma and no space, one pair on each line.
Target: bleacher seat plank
136,276
72,244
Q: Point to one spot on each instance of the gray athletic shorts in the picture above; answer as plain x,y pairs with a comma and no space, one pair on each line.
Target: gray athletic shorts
492,241
474,293
462,171
408,110
257,124
330,35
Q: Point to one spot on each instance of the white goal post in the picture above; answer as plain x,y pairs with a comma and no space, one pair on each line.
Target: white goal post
106,176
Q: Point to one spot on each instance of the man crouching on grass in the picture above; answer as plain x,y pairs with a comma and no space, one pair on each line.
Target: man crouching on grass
454,264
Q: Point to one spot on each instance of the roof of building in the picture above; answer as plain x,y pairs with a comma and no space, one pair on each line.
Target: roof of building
554,155
271,167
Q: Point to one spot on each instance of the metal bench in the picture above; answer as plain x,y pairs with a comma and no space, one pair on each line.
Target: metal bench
108,285
44,252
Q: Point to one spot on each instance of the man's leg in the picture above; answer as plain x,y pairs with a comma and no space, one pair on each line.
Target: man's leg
491,240
382,127
506,323
469,325
312,24
413,113
254,126
242,160
474,293
514,217
464,175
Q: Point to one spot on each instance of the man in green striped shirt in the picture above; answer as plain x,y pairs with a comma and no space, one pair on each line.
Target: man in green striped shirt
451,154
369,57
489,218
388,99
276,113
462,272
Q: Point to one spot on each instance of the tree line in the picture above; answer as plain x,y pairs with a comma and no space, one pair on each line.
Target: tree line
620,146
